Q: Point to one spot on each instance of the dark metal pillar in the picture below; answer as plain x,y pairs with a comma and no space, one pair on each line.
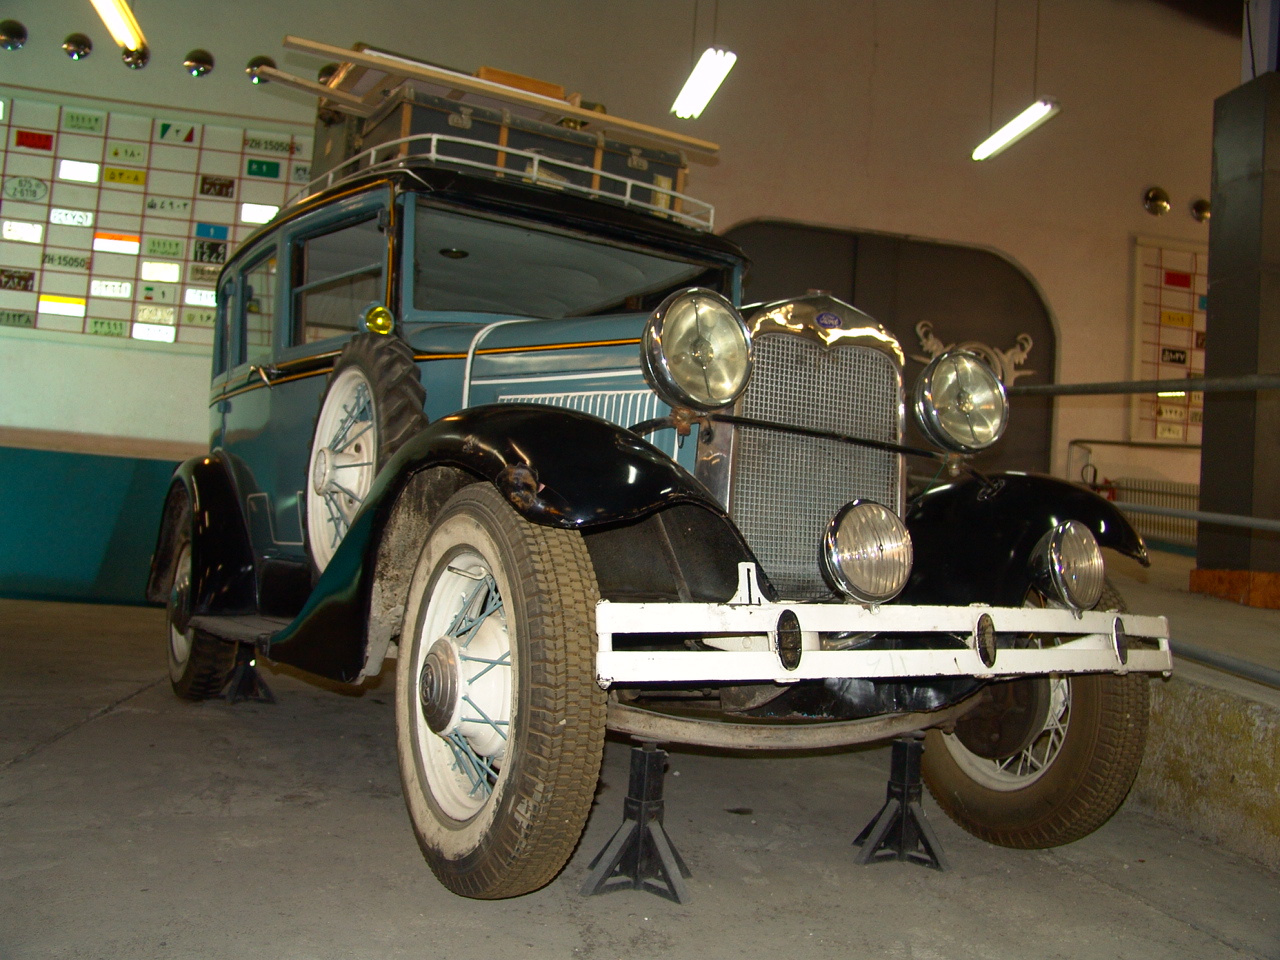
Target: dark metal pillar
1240,460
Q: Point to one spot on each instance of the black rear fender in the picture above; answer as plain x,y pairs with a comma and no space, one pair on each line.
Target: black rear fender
222,563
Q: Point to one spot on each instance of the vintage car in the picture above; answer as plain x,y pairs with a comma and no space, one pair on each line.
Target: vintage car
518,432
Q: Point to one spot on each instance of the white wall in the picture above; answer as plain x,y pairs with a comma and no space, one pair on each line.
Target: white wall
844,113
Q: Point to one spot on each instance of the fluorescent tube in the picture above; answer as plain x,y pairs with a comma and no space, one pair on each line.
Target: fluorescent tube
119,21
1018,127
712,68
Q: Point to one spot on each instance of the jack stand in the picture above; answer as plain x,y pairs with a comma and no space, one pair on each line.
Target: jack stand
900,830
640,856
245,682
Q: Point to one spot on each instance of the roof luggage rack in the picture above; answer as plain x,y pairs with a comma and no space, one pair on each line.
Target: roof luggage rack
384,111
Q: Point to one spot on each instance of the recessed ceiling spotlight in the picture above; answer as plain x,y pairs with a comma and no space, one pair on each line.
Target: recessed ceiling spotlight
257,63
13,35
137,58
77,46
198,62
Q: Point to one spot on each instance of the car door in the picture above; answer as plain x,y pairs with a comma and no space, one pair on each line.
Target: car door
333,267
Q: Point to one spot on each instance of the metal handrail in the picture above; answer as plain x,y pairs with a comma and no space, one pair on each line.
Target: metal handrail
1247,382
1202,516
681,207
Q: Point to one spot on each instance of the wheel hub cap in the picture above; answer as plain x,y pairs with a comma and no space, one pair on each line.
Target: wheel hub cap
322,470
438,686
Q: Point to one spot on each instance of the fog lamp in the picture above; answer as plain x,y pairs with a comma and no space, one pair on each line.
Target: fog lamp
1067,565
866,553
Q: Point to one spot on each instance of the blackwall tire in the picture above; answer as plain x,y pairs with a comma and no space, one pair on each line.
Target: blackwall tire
1068,782
499,721
199,663
372,404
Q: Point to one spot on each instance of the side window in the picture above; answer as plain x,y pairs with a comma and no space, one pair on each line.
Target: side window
222,332
259,310
336,275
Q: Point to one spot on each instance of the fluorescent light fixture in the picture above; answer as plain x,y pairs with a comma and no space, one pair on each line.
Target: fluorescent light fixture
1175,393
117,243
22,231
120,23
158,332
78,170
161,271
257,212
71,218
713,66
119,289
198,297
1015,129
62,306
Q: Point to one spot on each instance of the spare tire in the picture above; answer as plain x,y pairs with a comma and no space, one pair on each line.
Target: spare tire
372,404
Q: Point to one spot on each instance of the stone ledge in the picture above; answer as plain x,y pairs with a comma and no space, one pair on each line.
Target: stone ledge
1212,764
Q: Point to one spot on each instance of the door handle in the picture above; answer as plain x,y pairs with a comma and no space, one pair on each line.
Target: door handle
266,372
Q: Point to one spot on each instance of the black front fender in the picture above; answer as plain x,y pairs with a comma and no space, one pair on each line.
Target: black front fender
223,580
973,542
556,467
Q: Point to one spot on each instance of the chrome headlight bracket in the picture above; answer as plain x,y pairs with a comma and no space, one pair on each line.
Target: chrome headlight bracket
696,351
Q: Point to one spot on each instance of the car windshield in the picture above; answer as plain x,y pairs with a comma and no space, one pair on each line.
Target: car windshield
474,264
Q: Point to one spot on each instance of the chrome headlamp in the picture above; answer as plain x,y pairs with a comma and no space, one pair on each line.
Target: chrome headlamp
961,403
696,350
1067,566
866,553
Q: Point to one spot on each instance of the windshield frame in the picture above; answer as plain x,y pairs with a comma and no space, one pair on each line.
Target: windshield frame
716,272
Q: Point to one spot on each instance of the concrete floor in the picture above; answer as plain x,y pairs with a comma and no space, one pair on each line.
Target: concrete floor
135,825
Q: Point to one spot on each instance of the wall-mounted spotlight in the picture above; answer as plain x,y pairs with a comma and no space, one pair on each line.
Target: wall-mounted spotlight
124,30
1200,210
77,46
1156,202
13,35
198,62
252,68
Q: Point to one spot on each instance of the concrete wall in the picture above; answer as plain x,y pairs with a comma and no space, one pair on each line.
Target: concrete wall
846,113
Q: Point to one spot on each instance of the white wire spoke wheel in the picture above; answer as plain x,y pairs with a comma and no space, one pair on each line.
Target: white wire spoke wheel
342,462
1045,760
499,721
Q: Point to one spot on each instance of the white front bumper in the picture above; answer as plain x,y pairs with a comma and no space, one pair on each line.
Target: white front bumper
1089,642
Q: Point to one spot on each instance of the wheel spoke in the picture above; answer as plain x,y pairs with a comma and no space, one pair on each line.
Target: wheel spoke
485,719
336,517
478,771
464,626
502,661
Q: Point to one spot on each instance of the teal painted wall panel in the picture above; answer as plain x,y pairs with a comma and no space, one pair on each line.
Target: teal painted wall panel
78,526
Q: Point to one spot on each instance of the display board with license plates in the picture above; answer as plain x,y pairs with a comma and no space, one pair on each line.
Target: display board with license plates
117,225
1171,290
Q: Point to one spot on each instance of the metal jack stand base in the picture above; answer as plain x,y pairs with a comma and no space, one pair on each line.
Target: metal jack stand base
640,856
900,830
245,682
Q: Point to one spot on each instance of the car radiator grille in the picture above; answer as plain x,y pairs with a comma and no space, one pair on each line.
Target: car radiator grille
785,488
